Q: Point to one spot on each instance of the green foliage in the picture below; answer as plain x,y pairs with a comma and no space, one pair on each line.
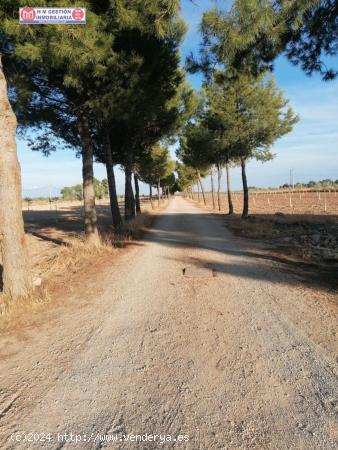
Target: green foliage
186,176
194,149
72,193
252,34
100,188
157,101
242,117
76,192
251,113
112,68
157,166
327,184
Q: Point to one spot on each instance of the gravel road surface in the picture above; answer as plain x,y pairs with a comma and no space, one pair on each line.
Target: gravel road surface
194,335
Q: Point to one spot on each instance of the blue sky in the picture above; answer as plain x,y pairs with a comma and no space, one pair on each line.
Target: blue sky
311,149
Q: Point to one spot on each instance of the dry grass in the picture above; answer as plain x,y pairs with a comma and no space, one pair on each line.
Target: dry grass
74,255
278,227
55,271
10,308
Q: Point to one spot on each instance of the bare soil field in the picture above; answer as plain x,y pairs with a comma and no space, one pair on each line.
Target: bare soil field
305,233
286,202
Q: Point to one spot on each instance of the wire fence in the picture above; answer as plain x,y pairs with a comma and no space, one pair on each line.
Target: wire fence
31,204
272,202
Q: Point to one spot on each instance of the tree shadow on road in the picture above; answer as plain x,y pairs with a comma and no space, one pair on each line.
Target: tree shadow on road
249,259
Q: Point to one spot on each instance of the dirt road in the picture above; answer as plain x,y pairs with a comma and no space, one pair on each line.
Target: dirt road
195,333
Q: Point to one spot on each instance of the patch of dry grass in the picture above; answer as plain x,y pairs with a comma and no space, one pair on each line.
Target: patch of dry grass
256,229
10,308
56,270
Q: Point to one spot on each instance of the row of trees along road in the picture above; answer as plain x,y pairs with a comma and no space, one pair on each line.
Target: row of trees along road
242,113
114,92
241,118
111,90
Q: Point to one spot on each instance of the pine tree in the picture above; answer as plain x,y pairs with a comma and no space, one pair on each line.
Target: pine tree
16,276
186,177
157,167
252,34
194,151
253,114
16,273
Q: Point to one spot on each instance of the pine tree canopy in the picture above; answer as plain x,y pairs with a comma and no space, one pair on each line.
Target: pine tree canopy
253,33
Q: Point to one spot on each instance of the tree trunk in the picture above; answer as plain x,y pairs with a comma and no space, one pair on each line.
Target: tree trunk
158,192
137,195
212,188
90,217
198,192
202,188
17,280
245,212
114,204
219,179
129,199
231,206
151,195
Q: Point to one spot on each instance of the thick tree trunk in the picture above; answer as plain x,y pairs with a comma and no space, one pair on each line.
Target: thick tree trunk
151,195
231,206
202,187
90,217
129,199
212,188
219,179
16,277
158,192
245,212
114,204
137,195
